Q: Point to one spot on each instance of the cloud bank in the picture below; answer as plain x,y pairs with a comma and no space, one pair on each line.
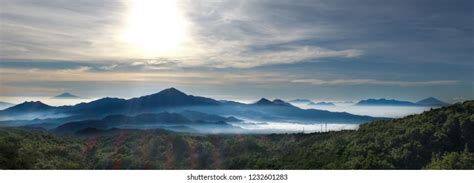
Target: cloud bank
277,47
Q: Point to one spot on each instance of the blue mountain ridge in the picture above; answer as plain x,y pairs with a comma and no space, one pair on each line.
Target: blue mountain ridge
431,101
173,100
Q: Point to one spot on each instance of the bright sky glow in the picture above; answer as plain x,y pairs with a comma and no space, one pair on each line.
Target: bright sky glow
155,27
244,50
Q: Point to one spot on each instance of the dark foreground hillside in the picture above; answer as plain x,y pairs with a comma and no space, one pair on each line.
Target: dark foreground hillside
438,139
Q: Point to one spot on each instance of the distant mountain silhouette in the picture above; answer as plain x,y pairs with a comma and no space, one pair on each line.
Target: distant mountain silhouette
173,100
431,101
384,102
26,107
66,96
266,102
322,104
281,102
263,101
168,98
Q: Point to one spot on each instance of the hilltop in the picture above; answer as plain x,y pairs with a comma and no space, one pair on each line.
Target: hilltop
66,96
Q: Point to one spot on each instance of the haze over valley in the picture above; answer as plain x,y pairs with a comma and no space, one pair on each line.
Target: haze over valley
174,110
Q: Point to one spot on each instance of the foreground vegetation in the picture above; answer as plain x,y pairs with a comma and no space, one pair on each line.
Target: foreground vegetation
437,139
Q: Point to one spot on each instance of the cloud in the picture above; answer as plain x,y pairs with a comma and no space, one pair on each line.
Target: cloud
222,35
231,34
59,29
374,82
18,82
85,74
287,55
392,31
109,67
80,69
276,44
245,34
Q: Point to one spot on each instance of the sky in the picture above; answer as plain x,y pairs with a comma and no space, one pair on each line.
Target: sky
336,50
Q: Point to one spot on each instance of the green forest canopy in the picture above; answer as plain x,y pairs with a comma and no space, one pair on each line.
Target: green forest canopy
437,139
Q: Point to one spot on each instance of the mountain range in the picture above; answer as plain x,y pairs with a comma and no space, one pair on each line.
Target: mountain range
28,107
322,104
428,102
173,101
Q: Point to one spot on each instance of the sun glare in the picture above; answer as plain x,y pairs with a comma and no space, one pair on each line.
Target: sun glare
155,27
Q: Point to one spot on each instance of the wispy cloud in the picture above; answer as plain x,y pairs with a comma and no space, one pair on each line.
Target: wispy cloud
287,55
59,29
290,46
85,74
243,34
222,35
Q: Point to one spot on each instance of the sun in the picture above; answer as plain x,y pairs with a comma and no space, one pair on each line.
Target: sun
155,27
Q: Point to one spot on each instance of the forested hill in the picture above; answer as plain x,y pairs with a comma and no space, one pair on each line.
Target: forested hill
438,139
